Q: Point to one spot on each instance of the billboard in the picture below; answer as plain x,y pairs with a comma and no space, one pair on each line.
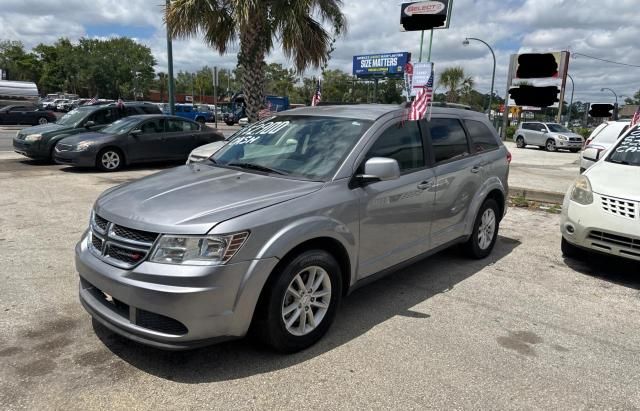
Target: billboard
381,65
425,15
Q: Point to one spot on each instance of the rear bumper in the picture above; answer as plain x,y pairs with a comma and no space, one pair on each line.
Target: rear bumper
172,306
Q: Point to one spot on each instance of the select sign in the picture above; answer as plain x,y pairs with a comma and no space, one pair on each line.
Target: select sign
424,7
425,15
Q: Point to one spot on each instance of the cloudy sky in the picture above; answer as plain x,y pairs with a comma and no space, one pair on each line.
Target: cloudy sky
606,29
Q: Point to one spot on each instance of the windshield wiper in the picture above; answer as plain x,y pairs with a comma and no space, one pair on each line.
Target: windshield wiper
256,167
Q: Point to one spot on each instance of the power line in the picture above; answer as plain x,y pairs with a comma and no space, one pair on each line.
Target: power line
606,61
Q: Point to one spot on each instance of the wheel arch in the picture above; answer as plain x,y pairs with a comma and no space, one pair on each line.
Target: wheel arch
492,188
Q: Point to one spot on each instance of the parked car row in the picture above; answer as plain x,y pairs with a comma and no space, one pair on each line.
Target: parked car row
109,137
26,114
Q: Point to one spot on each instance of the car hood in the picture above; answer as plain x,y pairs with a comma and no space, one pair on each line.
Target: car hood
77,138
615,180
192,199
209,149
44,129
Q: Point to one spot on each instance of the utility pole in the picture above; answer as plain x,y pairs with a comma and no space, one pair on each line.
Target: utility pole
172,97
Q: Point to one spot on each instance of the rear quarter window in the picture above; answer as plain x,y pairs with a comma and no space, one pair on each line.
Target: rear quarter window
482,138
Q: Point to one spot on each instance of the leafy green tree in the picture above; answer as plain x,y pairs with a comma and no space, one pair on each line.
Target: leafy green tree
297,25
456,82
634,100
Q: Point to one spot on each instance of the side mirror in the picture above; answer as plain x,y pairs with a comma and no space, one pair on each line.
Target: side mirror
136,132
380,169
89,124
591,154
544,130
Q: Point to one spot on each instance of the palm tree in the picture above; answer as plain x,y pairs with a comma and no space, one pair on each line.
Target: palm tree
455,81
256,23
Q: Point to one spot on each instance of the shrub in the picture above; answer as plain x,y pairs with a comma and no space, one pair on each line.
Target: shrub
511,130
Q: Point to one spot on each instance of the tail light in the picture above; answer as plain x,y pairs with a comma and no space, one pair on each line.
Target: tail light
509,157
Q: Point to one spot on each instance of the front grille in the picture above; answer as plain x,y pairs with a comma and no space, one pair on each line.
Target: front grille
118,245
159,323
575,139
21,136
136,235
136,316
620,207
64,147
618,240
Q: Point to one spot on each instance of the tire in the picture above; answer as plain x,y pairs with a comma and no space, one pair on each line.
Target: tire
110,159
574,150
569,250
200,120
485,231
520,142
229,123
42,121
550,145
272,328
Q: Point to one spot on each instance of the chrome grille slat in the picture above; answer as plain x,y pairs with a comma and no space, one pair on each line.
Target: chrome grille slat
121,246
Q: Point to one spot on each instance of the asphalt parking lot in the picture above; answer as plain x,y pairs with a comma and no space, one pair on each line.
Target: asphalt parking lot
524,328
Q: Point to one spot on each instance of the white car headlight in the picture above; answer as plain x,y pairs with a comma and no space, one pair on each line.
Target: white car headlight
581,192
197,250
83,145
33,137
563,138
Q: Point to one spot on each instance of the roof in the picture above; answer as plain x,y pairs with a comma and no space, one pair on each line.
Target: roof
372,111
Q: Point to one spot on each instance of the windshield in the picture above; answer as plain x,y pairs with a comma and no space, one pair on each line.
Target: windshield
557,128
122,126
297,146
628,149
73,117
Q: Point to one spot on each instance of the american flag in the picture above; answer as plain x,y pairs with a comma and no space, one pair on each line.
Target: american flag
420,105
317,96
636,118
265,112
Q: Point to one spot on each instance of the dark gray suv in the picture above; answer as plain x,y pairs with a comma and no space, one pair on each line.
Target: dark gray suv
291,215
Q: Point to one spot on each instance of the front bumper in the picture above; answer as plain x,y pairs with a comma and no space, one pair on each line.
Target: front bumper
591,228
30,149
568,144
171,306
75,158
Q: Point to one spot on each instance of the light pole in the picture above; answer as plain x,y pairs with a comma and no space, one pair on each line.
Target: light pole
493,76
615,107
573,87
172,97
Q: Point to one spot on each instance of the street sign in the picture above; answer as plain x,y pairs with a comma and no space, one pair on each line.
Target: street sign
381,65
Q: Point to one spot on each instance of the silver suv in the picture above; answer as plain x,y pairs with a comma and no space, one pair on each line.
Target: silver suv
550,136
290,216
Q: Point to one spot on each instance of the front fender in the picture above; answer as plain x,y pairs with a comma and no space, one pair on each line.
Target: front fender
492,183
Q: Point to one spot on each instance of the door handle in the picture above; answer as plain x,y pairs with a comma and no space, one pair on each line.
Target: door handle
423,185
476,169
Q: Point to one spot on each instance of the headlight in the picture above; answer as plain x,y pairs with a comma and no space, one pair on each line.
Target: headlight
563,138
33,137
197,250
581,192
82,146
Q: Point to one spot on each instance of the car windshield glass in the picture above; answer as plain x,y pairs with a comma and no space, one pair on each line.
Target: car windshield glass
557,128
628,149
298,146
73,117
122,126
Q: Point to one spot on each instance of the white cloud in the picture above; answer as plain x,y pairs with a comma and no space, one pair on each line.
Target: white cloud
603,29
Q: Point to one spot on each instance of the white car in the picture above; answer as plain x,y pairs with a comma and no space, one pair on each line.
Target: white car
602,138
601,211
243,122
204,152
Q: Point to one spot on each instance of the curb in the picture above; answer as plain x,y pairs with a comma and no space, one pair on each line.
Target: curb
536,195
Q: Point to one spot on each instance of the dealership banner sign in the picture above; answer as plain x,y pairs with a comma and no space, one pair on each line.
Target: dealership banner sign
381,65
425,15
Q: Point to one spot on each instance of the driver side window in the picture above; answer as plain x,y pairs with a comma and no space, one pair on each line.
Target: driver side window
101,117
401,141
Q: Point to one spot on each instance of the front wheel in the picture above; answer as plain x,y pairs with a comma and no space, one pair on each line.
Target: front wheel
43,121
229,123
574,150
520,142
551,145
301,303
110,159
485,231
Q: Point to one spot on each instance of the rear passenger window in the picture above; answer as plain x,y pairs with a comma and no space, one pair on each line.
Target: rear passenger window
150,110
448,139
402,142
482,138
131,111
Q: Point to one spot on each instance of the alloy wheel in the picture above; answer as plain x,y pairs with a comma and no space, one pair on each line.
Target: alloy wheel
551,145
42,121
306,300
486,229
110,160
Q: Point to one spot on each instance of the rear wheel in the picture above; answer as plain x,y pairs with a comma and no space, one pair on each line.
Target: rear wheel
520,142
301,303
550,145
110,159
43,120
574,150
485,230
229,123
